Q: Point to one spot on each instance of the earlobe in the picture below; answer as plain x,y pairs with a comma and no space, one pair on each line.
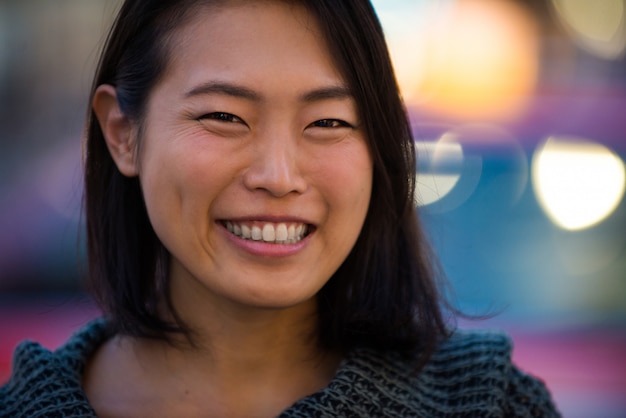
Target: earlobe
117,130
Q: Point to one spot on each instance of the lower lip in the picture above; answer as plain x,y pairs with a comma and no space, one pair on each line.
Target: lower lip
265,249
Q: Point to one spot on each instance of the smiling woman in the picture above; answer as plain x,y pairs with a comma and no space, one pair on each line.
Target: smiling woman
252,237
223,99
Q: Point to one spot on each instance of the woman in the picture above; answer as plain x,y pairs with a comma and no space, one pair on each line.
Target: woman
251,233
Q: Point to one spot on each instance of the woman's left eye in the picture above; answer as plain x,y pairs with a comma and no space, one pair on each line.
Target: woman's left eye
331,123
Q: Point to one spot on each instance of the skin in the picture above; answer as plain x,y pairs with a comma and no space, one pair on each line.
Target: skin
252,123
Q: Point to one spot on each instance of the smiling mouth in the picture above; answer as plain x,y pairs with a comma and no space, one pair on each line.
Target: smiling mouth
274,233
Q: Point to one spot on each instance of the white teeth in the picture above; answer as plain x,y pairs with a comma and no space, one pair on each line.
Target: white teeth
257,234
281,232
268,232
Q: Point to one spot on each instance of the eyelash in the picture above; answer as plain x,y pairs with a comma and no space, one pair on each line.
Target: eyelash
222,117
230,118
331,123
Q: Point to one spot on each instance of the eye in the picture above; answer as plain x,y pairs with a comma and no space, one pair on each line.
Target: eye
331,123
222,117
326,131
223,124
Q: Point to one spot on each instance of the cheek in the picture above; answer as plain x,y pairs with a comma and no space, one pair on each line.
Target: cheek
185,164
177,185
348,185
351,176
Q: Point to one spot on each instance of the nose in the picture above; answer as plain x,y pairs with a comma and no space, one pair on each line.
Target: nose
275,166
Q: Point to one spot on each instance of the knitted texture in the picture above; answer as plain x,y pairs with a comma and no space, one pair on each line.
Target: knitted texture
470,375
45,384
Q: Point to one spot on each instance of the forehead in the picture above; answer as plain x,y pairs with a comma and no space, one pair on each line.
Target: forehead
246,38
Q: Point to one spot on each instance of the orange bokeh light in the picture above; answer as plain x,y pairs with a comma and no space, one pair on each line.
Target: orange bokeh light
480,61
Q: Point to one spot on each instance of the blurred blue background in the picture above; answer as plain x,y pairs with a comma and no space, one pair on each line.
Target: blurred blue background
519,114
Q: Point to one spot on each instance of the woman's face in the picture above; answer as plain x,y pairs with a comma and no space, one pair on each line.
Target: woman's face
253,163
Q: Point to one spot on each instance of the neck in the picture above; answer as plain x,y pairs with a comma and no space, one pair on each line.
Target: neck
265,358
232,340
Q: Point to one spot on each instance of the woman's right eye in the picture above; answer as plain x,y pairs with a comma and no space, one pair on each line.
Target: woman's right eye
222,117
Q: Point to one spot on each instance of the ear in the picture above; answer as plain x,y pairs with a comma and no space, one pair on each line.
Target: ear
117,130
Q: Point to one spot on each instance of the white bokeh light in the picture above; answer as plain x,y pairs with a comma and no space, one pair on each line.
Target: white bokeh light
578,183
439,170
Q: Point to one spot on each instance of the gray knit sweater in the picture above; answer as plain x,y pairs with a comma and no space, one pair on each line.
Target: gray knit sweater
470,375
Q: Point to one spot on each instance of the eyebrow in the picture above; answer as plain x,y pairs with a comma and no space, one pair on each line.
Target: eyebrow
326,93
229,89
238,91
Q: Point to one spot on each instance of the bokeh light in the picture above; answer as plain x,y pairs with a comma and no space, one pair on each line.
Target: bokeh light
480,60
450,168
598,26
578,182
405,24
438,169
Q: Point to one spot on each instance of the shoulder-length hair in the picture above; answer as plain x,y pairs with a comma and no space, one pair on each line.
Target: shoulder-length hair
384,295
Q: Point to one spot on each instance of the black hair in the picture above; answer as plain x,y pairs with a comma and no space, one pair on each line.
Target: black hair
384,295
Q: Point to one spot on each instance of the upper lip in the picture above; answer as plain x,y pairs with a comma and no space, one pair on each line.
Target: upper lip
269,218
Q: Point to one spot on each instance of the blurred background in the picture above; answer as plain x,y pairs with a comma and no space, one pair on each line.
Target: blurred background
519,114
